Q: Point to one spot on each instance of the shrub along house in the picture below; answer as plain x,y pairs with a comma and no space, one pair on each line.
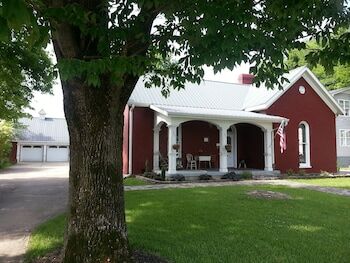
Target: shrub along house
227,126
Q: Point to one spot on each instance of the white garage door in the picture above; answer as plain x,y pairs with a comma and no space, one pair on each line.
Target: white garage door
57,153
32,153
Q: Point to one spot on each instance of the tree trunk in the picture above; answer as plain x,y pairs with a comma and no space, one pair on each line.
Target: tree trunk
96,229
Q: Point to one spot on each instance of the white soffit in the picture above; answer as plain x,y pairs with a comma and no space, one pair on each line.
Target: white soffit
204,113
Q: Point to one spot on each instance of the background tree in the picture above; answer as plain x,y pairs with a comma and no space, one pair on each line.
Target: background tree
104,47
334,48
339,77
23,70
6,135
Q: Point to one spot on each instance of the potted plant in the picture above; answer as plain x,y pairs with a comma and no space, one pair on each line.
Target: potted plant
228,147
176,146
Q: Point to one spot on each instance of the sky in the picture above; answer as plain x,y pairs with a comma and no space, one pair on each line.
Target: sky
53,104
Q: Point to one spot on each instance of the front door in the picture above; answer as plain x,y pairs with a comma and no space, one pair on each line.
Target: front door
231,154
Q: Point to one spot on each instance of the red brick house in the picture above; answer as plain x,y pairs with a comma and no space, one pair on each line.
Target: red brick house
229,126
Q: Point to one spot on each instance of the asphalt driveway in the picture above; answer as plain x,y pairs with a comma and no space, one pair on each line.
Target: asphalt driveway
29,195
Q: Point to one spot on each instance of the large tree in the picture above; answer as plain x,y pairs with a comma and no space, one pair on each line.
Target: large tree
336,75
104,47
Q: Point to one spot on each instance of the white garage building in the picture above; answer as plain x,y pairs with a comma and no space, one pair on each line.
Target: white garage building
43,140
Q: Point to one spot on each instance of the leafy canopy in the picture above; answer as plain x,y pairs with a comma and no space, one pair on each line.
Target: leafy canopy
6,135
137,37
23,69
24,65
339,77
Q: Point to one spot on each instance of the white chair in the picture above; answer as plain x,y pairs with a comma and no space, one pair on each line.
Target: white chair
191,162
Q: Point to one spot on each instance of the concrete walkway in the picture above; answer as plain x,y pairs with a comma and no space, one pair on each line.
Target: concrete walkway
330,190
29,195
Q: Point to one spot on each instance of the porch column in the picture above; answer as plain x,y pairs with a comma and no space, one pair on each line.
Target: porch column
223,151
156,131
268,148
171,151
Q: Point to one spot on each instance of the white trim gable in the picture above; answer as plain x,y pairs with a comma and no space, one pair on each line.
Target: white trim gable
313,81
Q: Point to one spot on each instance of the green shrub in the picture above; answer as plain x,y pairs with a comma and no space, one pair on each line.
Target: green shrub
246,175
231,176
177,177
6,135
153,175
205,177
302,172
290,172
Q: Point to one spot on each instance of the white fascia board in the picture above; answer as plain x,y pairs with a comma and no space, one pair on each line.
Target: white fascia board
228,118
256,108
316,85
137,104
41,142
337,91
155,108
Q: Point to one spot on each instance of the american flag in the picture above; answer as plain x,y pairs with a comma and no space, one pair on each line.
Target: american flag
282,134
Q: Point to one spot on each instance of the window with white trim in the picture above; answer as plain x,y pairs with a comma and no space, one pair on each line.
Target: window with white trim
344,137
345,105
304,144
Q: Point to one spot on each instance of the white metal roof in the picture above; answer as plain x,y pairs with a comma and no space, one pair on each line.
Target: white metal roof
178,111
337,91
44,130
209,94
227,96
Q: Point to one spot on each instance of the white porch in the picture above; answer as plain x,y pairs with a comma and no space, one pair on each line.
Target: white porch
225,121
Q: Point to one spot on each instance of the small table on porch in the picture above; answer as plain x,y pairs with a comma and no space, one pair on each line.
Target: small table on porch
204,158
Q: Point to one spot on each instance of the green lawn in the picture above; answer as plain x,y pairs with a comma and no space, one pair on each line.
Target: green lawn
133,181
331,182
223,224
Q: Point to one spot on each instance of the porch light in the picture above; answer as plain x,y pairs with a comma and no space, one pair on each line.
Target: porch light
228,147
176,146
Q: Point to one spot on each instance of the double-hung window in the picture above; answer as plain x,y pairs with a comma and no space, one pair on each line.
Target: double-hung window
345,105
304,145
344,137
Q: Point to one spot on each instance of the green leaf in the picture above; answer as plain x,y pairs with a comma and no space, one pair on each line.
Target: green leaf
4,30
16,13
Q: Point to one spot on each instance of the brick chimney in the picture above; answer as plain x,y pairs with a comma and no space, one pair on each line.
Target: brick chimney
245,78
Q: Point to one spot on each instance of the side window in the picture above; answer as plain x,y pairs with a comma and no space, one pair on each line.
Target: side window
344,137
345,105
304,144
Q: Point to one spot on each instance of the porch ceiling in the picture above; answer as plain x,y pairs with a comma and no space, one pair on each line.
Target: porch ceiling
205,113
